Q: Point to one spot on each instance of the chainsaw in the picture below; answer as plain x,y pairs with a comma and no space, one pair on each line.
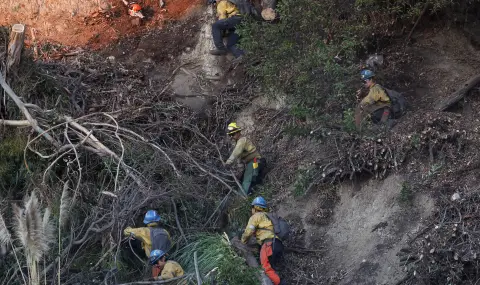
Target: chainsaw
134,9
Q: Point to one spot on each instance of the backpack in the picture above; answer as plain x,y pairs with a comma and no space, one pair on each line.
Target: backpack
280,227
160,239
244,7
399,104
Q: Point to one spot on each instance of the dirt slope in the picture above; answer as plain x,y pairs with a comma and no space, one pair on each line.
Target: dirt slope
92,23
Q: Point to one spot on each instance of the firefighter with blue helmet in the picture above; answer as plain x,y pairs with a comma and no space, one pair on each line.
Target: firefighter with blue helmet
262,227
163,269
152,235
376,105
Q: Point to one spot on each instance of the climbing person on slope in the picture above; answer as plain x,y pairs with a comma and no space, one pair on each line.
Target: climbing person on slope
152,236
377,105
163,269
247,153
271,249
228,18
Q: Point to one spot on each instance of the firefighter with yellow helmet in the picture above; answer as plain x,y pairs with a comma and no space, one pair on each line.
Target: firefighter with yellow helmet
245,152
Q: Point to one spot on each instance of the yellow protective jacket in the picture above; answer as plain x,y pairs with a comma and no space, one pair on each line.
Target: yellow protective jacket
244,150
226,9
376,95
143,234
171,270
260,224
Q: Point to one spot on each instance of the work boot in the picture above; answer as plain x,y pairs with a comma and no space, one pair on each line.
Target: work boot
218,51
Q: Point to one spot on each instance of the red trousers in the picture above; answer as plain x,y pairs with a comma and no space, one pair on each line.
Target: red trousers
265,253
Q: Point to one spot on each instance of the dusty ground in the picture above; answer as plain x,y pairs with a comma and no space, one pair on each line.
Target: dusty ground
91,23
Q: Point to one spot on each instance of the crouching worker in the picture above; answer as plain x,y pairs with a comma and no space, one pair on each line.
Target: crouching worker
376,105
163,269
228,18
247,154
152,236
271,249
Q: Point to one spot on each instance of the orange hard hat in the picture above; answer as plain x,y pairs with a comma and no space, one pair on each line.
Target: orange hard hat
135,7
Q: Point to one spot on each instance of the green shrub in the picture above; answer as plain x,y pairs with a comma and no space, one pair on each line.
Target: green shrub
214,251
312,53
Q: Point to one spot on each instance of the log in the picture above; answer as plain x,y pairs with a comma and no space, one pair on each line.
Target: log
247,252
458,95
15,46
268,9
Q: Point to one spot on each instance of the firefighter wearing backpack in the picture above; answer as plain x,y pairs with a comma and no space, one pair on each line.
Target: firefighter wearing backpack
376,104
271,246
247,153
229,17
152,236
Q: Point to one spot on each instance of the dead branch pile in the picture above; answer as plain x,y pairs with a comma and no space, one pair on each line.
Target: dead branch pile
438,138
119,145
448,250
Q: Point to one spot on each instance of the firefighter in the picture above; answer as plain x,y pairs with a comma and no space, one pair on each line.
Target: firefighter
271,250
377,105
228,18
246,152
152,236
163,269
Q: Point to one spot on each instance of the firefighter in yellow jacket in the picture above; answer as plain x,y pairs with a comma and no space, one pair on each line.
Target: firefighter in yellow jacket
163,269
228,18
376,104
271,246
246,152
151,236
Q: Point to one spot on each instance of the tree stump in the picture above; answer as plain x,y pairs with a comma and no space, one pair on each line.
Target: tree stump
15,46
268,10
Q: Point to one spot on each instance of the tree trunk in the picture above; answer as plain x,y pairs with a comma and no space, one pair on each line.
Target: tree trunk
458,95
15,46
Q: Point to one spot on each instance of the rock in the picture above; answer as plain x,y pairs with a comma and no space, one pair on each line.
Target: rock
455,197
111,58
374,61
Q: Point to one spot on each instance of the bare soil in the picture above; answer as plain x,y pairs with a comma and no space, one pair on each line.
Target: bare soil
91,23
358,228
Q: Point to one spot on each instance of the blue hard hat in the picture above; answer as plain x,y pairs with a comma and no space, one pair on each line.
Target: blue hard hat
155,255
367,74
151,217
259,202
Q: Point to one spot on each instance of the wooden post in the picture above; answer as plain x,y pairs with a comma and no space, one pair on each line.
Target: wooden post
15,45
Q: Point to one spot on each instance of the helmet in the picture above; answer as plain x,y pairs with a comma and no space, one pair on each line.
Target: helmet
367,74
155,256
259,202
151,217
233,128
135,7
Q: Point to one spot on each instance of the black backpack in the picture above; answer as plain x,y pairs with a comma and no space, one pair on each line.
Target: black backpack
280,226
160,239
245,7
399,104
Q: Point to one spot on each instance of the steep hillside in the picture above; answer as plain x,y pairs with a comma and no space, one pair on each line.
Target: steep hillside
135,119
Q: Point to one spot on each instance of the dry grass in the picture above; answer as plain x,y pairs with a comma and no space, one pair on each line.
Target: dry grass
34,232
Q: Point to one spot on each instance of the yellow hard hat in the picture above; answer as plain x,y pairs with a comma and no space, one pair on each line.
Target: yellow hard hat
233,128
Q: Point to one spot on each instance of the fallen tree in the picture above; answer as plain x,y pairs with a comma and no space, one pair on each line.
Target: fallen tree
458,95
